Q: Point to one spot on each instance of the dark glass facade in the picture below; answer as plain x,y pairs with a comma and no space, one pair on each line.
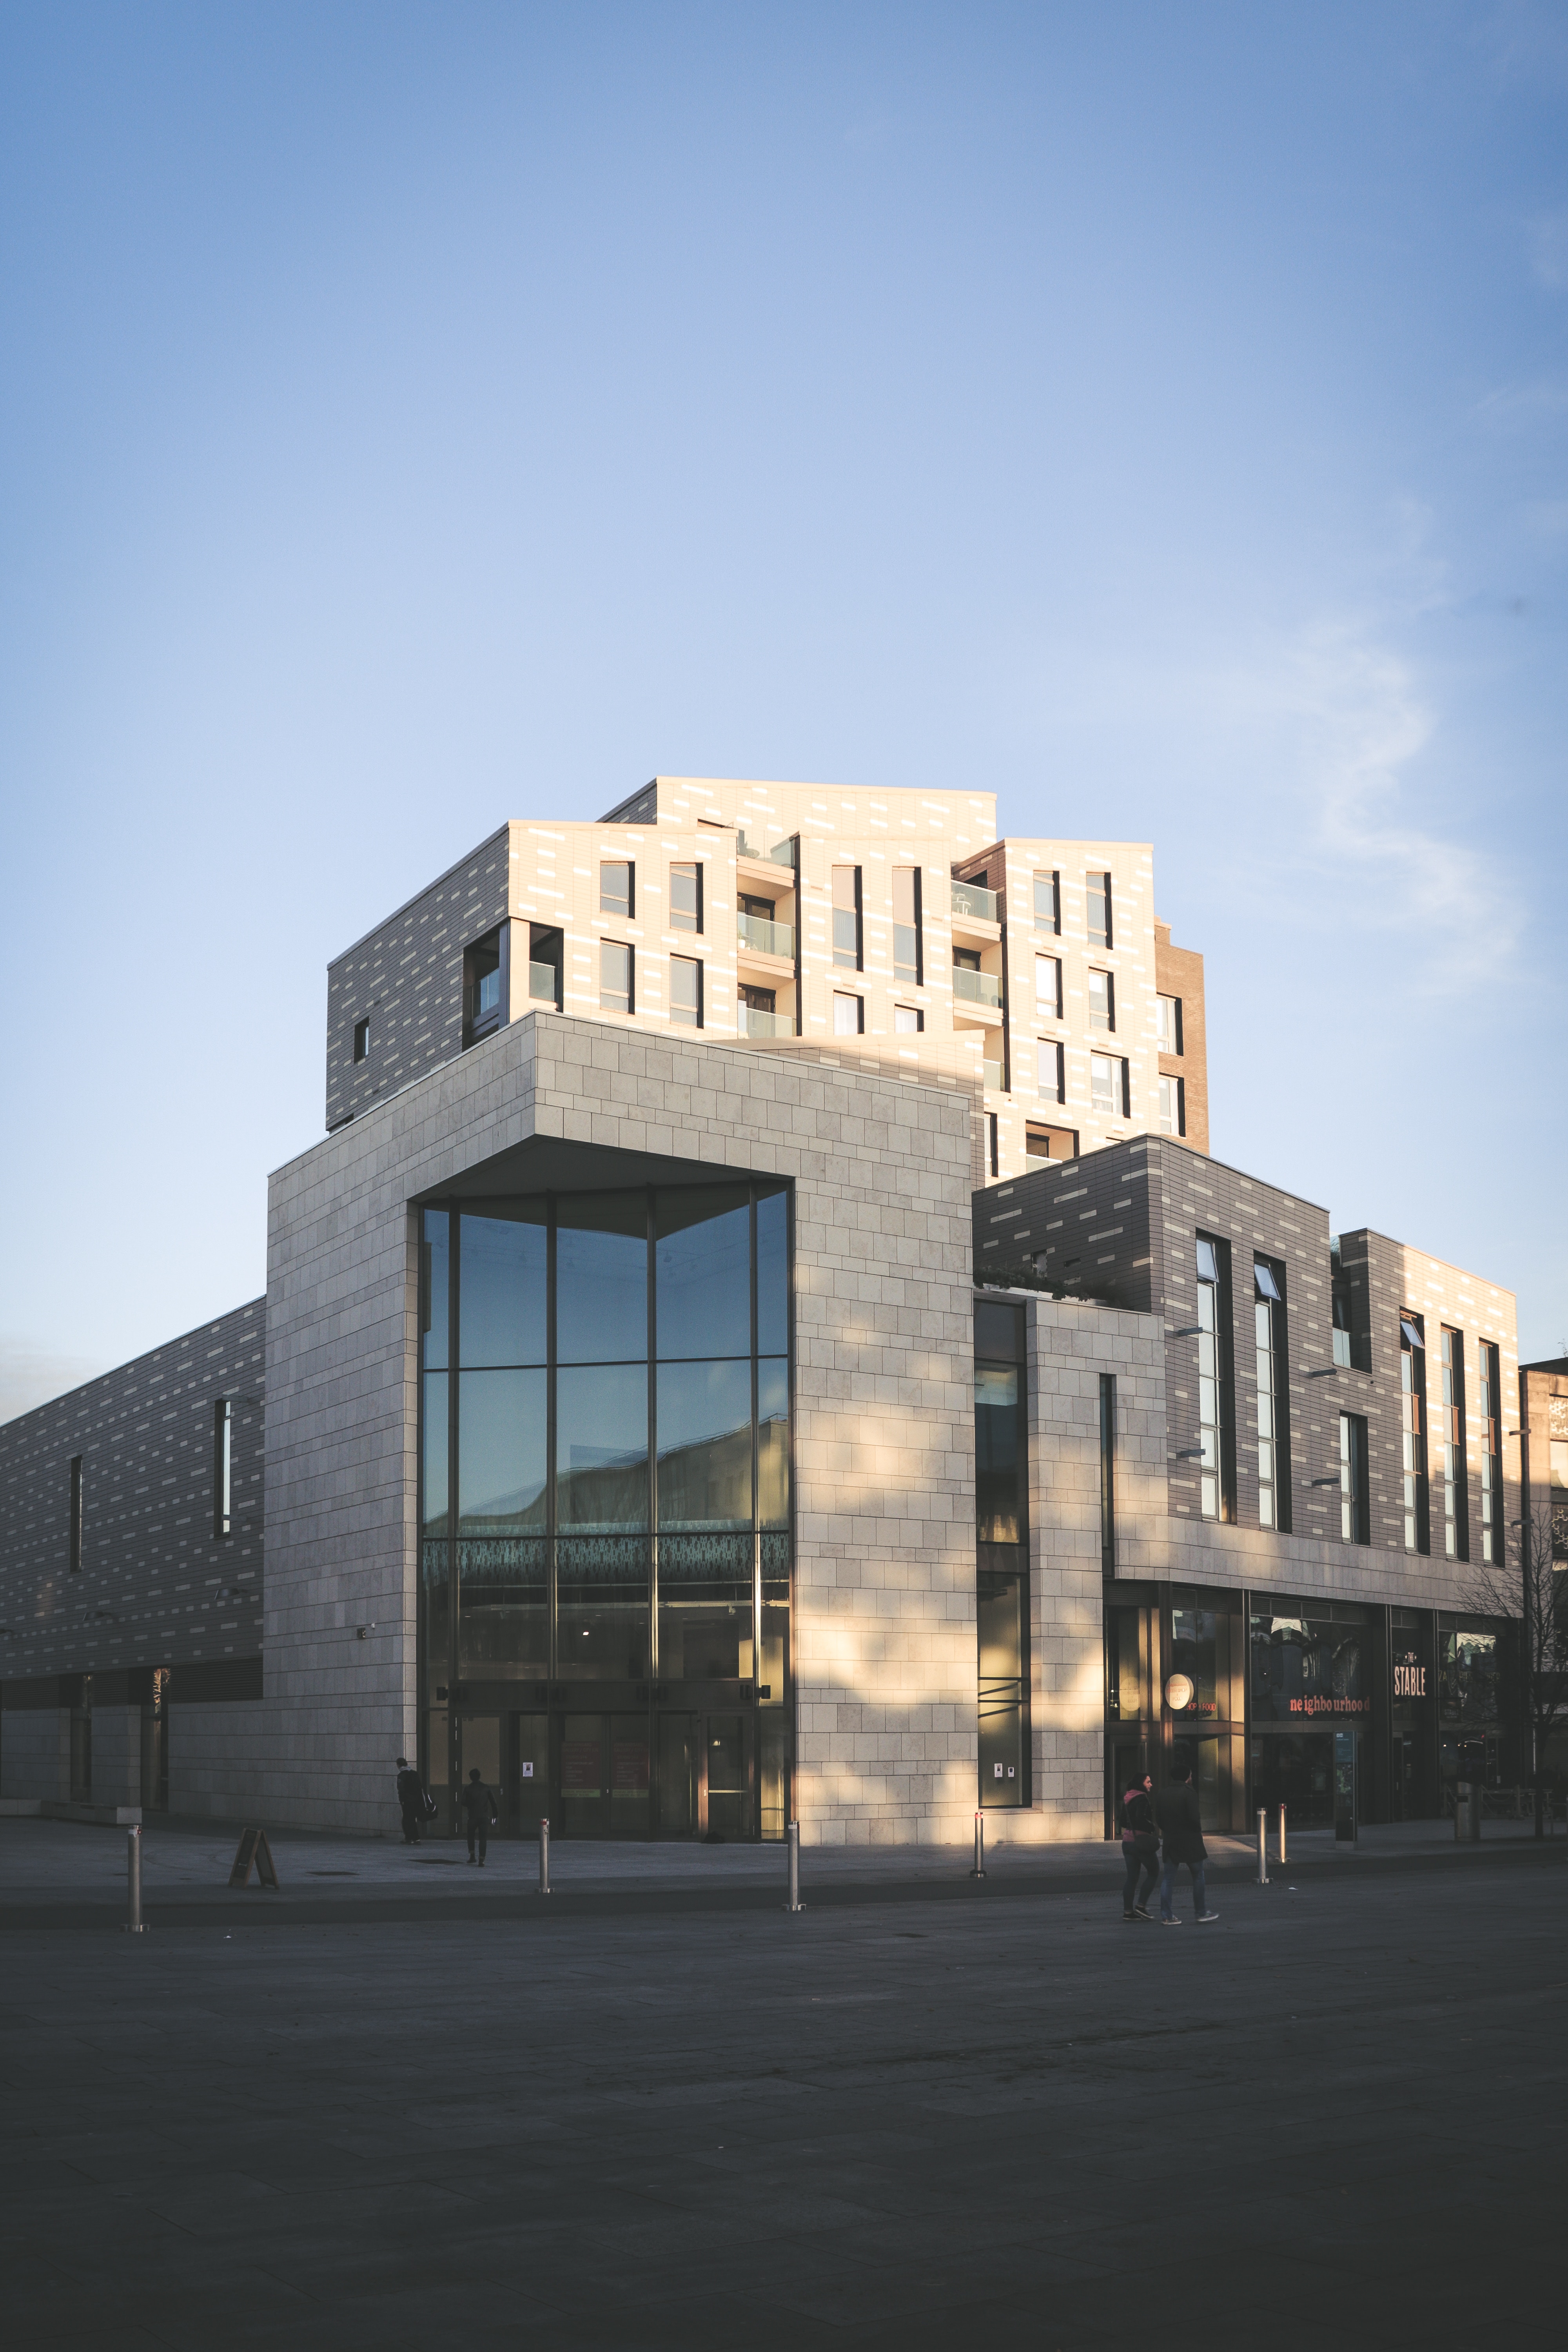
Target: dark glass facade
606,1497
1002,1550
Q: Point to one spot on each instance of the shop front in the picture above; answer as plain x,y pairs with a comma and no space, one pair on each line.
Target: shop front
1311,1710
1176,1684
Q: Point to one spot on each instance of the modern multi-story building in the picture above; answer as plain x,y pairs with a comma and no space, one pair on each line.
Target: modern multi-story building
677,1416
803,913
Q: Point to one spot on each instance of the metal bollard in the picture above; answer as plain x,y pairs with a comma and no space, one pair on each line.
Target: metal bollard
1281,1837
133,1880
979,1869
792,1840
1262,1845
543,1887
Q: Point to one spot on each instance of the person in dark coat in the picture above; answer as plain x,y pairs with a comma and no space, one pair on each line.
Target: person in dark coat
1183,1833
410,1800
1140,1847
480,1815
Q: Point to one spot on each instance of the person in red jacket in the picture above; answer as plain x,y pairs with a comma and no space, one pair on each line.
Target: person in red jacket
1140,1847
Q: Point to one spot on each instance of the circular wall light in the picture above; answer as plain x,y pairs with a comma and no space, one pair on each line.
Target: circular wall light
1180,1694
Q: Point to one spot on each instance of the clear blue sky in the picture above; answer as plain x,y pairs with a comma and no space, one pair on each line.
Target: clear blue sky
415,417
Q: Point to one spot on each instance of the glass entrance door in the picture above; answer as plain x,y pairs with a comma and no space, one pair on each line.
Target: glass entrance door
725,1794
604,1776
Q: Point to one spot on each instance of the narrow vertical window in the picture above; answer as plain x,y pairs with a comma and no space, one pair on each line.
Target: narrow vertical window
1491,1456
223,1468
909,949
1412,1414
1354,1502
1168,1024
617,892
686,992
1101,1002
1455,1518
614,977
1047,988
1097,909
849,1016
1108,1473
1048,1060
686,897
1270,1403
76,1515
1108,1086
1214,1384
361,1038
1172,1106
1048,902
994,1128
846,918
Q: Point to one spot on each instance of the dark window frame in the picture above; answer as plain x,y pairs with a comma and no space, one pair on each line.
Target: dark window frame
912,974
222,1468
361,1038
690,919
1052,882
624,947
1097,886
612,906
77,1484
696,964
840,953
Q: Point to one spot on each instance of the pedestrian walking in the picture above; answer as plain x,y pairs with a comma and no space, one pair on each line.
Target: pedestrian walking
479,1815
1182,1835
411,1801
1140,1847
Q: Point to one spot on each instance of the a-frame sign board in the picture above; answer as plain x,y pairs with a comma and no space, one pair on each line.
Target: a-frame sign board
253,1850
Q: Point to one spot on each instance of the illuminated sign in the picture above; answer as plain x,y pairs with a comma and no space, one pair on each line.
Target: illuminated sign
1409,1677
1180,1693
1330,1706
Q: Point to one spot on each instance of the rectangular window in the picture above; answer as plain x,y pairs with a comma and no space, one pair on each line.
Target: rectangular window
1456,1518
1097,909
1108,1089
361,1038
1356,1511
1048,1064
686,897
1412,1408
1047,988
76,1515
1273,1450
1048,902
1108,1473
482,987
617,890
1491,1456
993,1140
849,1016
908,952
1172,1106
846,918
614,977
1168,1024
908,1020
1101,1002
686,992
223,1468
1215,1451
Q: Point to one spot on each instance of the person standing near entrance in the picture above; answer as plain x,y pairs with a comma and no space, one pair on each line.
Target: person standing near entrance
410,1800
1140,1847
480,1815
1184,1842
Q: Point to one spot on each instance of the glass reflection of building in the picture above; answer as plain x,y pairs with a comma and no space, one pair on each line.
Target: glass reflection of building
604,1507
1002,1551
1309,1683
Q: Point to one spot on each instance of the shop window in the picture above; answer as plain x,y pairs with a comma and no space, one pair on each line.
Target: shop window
909,952
1309,1661
1197,1686
1412,1427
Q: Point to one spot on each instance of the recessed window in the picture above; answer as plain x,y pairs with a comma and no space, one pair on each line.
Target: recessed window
361,1038
1101,1002
686,897
1355,1513
1097,909
1168,1024
614,977
1048,902
76,1515
1268,1332
223,1468
1489,1400
1050,1143
1216,1452
1108,1089
1455,1518
994,1125
846,918
1049,1068
482,987
908,1020
617,889
1047,988
849,1015
908,954
1172,1106
686,991
1413,1431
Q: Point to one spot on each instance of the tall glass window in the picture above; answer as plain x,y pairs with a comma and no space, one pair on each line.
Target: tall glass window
846,918
1354,1511
1211,1382
1267,1307
1412,1410
1491,1457
908,959
1049,901
1001,1591
1456,1532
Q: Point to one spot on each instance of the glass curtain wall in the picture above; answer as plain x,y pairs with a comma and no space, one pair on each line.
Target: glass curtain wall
1002,1543
604,1503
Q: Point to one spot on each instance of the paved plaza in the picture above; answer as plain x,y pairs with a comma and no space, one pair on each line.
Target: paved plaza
657,2111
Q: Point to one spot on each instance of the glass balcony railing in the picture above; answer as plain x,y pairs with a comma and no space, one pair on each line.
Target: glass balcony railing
976,987
981,906
543,983
766,938
781,854
1341,1347
765,1024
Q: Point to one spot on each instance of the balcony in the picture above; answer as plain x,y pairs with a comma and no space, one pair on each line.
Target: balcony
975,905
762,938
765,1024
748,845
545,984
980,988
